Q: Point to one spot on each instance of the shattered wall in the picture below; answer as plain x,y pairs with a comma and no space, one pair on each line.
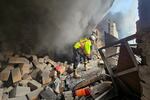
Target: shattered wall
47,25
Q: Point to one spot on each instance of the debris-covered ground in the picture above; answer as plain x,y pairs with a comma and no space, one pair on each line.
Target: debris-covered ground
29,77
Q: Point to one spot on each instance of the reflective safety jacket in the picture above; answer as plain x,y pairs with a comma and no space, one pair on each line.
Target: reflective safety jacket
84,44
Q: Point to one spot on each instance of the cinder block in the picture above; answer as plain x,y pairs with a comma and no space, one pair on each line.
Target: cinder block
34,84
48,67
45,77
68,95
35,73
4,75
24,83
16,75
48,94
24,68
19,98
41,60
34,94
51,62
39,65
19,91
18,60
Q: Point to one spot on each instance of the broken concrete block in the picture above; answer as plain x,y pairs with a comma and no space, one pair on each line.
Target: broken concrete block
48,67
35,73
19,98
34,94
34,84
46,58
35,58
4,75
48,94
16,75
1,94
41,60
24,83
18,60
24,68
39,65
52,62
26,77
19,91
45,77
5,97
68,95
7,90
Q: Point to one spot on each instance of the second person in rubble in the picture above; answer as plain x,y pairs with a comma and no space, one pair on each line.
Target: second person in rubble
82,49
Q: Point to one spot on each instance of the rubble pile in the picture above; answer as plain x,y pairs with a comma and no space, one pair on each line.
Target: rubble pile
28,77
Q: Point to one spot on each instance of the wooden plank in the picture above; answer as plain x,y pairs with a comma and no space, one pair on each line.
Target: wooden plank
126,71
85,83
103,94
120,41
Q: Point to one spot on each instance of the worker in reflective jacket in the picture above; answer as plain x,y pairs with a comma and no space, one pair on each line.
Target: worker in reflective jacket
82,49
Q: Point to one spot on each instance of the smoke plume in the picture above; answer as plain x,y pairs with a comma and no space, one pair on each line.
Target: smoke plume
47,25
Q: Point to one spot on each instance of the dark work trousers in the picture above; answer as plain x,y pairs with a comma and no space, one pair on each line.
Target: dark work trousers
77,57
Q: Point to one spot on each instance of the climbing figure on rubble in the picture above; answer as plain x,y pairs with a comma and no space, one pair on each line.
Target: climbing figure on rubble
82,49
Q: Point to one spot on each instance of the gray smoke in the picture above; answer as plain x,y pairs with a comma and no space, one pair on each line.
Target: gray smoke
125,20
48,25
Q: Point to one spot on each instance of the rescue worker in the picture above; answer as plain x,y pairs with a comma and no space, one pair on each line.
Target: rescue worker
82,49
98,42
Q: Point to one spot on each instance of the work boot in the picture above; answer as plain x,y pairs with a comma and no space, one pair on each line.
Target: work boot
86,67
75,74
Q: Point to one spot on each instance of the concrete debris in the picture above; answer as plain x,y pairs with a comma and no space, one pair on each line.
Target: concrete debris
7,90
48,94
45,77
100,88
34,95
68,95
19,91
5,97
25,69
29,77
19,98
18,60
16,75
34,85
4,75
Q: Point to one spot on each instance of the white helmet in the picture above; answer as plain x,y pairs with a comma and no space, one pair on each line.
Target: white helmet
92,37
